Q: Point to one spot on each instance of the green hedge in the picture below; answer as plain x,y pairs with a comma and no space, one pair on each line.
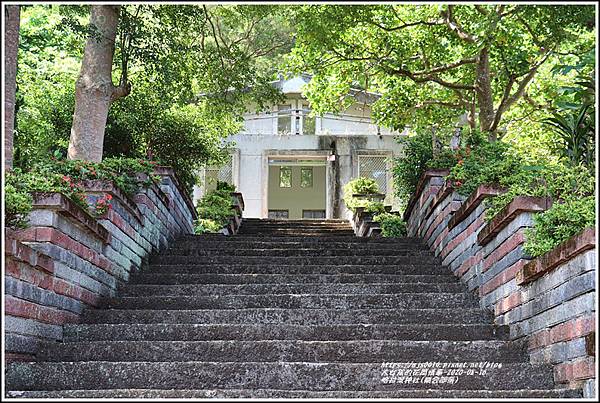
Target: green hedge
214,209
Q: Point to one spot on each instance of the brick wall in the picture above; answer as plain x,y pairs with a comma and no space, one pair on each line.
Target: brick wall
67,260
548,301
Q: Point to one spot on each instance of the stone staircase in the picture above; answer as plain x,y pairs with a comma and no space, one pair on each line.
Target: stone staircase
287,309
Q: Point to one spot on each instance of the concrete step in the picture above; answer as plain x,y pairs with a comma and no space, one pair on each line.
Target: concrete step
292,224
298,394
253,375
274,331
215,277
274,288
338,269
296,221
186,240
328,226
372,351
268,252
237,242
296,260
277,229
297,233
306,301
313,229
308,252
300,316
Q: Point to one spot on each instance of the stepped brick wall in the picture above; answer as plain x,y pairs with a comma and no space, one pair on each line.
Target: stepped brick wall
67,260
548,301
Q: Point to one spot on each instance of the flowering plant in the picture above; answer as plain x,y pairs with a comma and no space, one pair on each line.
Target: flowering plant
103,205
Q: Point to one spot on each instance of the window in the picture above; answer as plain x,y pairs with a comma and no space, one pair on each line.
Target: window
212,174
285,177
279,214
306,177
284,119
313,213
375,167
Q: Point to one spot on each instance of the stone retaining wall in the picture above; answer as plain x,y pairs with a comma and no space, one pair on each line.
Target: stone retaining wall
68,260
549,301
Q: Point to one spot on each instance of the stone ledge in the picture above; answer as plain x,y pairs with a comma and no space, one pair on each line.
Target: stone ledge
446,190
64,206
419,188
472,202
168,171
518,205
24,253
378,197
240,199
564,252
165,198
103,186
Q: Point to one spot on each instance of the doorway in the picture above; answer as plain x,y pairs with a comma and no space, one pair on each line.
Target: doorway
297,189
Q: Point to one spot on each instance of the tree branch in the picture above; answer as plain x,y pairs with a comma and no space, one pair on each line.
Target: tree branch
481,10
120,91
507,99
405,25
446,67
214,36
528,28
503,103
455,27
442,103
406,73
263,52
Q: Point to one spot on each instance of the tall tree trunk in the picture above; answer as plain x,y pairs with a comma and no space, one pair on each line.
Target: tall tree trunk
94,89
485,99
12,16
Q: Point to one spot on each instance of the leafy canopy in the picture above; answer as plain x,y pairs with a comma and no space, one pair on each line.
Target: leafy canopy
433,63
193,69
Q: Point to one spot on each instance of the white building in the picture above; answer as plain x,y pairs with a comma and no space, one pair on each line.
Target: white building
288,164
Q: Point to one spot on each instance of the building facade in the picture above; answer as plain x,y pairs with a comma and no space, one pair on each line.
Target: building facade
288,164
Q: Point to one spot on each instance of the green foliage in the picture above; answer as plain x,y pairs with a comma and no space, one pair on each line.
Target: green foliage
559,182
20,185
392,225
488,163
183,137
225,187
214,209
423,58
557,224
417,158
360,185
67,177
574,123
575,134
193,70
562,83
17,204
202,226
373,206
48,63
128,174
